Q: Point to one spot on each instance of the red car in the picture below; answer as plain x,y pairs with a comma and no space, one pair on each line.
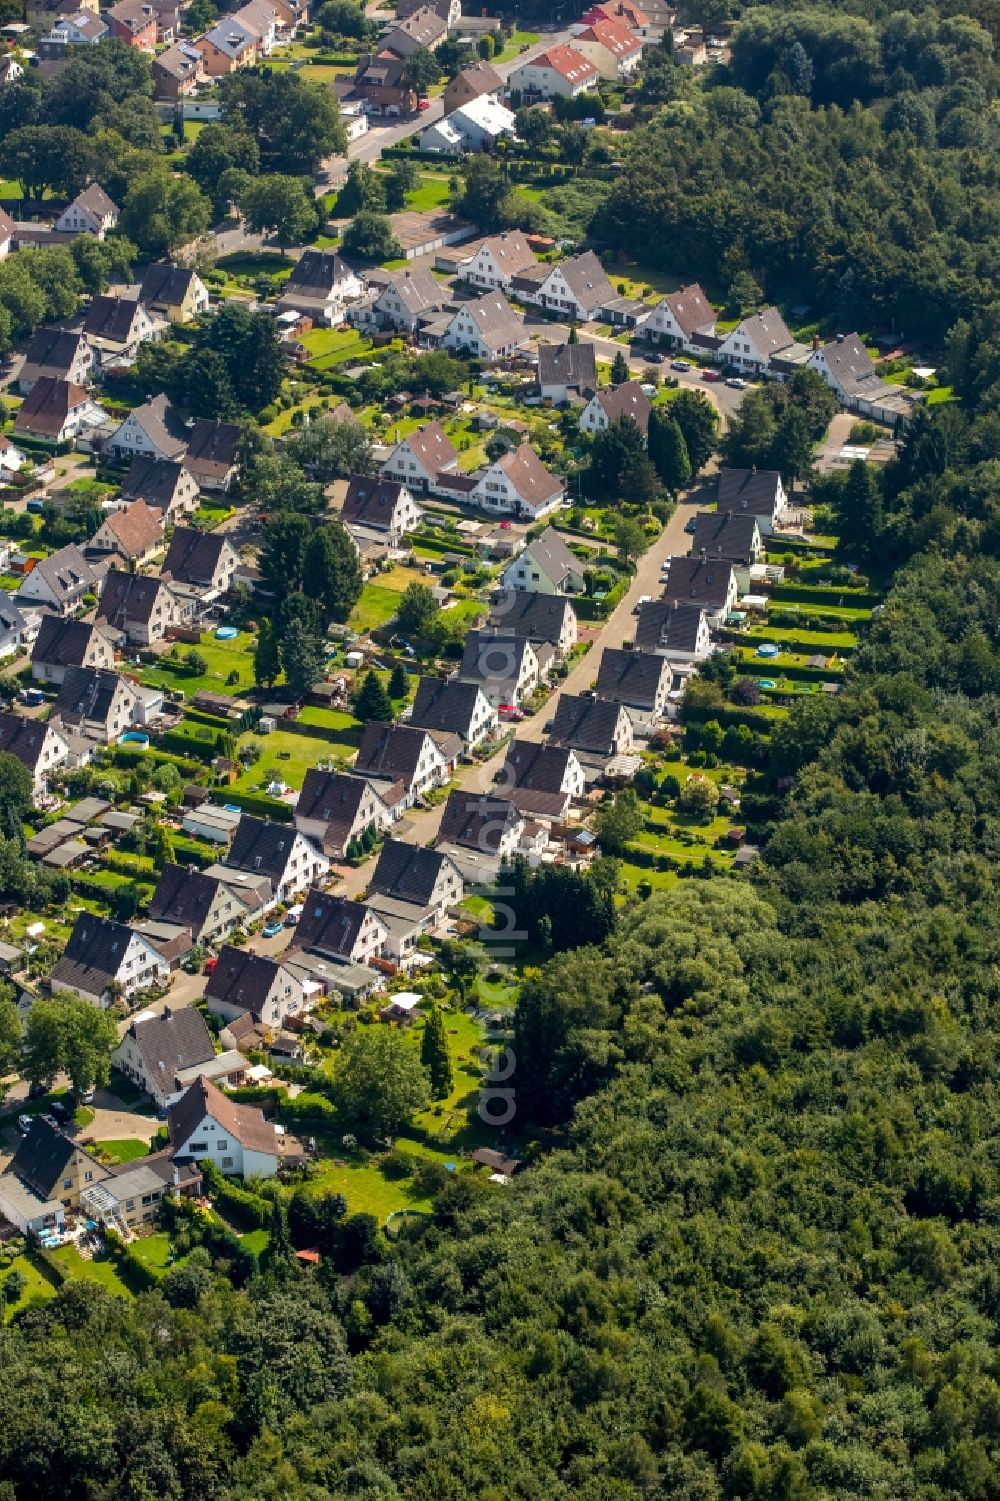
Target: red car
512,712
711,375
209,965
424,104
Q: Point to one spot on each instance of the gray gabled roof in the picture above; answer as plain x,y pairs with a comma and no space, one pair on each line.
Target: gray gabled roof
416,289
261,847
572,365
408,872
162,425
193,555
317,274
171,1041
587,278
767,331
586,723
753,490
11,619
663,625
93,954
62,643
628,677
626,400
43,1156
732,535
67,573
524,612
538,767
698,581
111,318
390,750
184,895
477,821
445,704
329,925
128,597
89,693
493,657
242,979
153,480
371,502
162,282
53,350
23,738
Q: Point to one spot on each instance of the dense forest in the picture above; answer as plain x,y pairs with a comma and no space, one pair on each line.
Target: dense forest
760,1256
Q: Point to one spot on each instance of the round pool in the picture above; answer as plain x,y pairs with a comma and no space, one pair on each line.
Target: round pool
398,1217
768,683
226,633
768,649
134,737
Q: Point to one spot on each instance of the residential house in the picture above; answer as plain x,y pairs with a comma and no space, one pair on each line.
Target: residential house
41,13
337,928
423,28
383,83
134,23
153,431
612,47
204,1123
137,607
382,505
561,70
755,341
539,617
576,288
91,213
518,484
488,329
675,631
541,780
135,533
11,459
10,71
39,746
475,126
279,852
497,260
411,891
205,905
420,760
753,492
62,643
732,535
595,726
168,20
566,370
336,807
59,355
156,1047
97,703
242,982
116,327
490,826
54,1169
103,958
212,453
450,707
178,71
261,20
134,1192
16,630
406,297
546,566
321,286
679,317
210,822
846,366
478,80
56,411
709,583
639,681
612,402
165,485
420,458
173,292
506,668
206,560
226,47
690,52
59,582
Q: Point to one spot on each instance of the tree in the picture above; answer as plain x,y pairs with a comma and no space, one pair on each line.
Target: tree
369,236
68,1034
417,610
371,702
162,211
630,539
201,383
280,205
295,123
620,371
95,78
380,1080
221,148
700,797
248,343
698,421
332,448
400,180
668,450
792,449
283,552
364,189
618,822
437,372
331,574
302,656
487,47
16,796
858,507
399,683
266,659
53,158
619,466
745,295
434,1055
422,70
10,1033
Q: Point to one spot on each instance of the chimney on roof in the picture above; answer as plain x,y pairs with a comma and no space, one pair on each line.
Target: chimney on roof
167,1013
840,338
815,341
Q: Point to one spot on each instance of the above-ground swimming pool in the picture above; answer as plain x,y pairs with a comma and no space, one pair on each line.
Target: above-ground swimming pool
134,737
768,649
768,683
226,633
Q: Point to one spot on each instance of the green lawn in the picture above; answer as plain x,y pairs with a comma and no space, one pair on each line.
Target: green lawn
380,599
256,1241
153,1251
98,1269
325,341
828,641
123,1151
366,1188
221,657
431,192
289,753
515,42
40,1283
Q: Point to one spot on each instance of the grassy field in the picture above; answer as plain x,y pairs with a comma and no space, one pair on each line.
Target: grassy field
40,1284
431,192
321,342
380,600
366,1188
123,1151
98,1269
515,42
289,753
221,657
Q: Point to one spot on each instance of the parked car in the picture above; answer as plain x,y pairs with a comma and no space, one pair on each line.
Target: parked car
25,1123
511,712
691,525
680,364
50,1120
737,383
643,599
654,358
424,104
58,1109
711,375
273,929
210,965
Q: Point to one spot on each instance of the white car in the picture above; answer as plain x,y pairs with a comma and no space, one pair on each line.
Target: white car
736,383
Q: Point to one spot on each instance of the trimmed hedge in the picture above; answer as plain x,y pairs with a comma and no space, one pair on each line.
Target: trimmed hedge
810,594
136,1275
241,1204
253,802
762,669
124,755
48,1261
599,609
203,750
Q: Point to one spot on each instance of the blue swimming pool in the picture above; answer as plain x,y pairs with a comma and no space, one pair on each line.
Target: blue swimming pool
134,737
768,649
226,633
768,683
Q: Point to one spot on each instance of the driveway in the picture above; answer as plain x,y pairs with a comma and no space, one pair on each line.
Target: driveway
112,1122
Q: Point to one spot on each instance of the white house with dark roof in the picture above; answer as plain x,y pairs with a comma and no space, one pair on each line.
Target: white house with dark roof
157,1046
56,411
488,328
153,430
755,341
412,890
65,643
399,753
277,851
17,630
507,669
576,288
541,780
57,354
678,632
518,484
539,617
449,706
243,982
566,370
405,298
546,566
164,484
98,704
100,954
382,505
205,1123
117,327
612,402
419,458
594,726
490,826
637,680
205,904
708,583
39,746
678,317
753,492
321,285
91,213
846,366
59,582
732,535
206,560
497,260
212,452
337,928
335,807
139,607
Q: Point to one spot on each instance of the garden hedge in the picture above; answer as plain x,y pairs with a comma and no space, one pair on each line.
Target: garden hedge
252,802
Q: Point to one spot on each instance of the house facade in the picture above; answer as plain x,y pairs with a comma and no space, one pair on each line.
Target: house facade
418,460
546,566
102,956
335,807
561,70
498,260
205,1124
243,982
62,644
518,484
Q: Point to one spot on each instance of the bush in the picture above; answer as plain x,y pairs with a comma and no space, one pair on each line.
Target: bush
240,1203
397,1164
